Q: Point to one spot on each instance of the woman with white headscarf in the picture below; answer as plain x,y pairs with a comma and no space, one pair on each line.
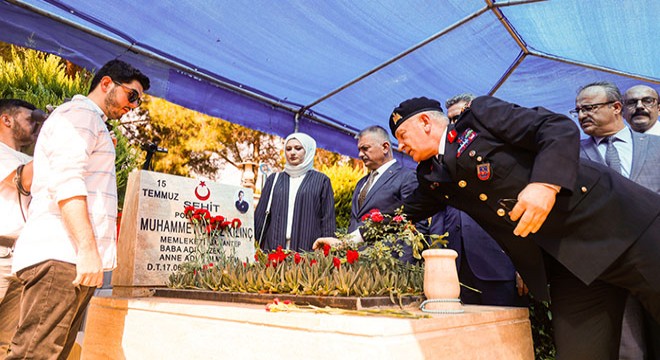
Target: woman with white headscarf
302,207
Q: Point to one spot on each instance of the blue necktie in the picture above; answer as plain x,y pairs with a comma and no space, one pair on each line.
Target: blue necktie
612,156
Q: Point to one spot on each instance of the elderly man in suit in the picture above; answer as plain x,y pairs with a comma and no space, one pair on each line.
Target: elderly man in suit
573,224
598,108
388,181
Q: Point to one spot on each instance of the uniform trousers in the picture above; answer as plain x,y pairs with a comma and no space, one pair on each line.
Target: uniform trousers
587,318
492,292
51,311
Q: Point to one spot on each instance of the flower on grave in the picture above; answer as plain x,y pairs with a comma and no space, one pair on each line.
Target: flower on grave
352,256
391,232
207,230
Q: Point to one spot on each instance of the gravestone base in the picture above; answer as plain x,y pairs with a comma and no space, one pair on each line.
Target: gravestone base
165,328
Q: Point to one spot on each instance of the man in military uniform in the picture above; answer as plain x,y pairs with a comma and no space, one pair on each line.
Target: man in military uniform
587,231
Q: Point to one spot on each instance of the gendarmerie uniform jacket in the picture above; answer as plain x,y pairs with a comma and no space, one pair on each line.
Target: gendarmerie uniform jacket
313,214
497,149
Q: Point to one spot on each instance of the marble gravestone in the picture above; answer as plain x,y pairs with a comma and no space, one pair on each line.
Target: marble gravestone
156,237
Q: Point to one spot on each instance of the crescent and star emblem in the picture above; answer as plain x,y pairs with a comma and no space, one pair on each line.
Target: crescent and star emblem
202,184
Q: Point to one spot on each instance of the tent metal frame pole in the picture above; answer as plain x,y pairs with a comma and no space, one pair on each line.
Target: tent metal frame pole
508,73
516,37
138,50
595,67
397,57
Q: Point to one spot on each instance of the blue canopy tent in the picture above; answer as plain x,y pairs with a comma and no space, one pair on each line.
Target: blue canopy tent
331,68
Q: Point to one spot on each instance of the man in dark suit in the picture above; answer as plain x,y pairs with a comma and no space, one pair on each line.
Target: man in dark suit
387,183
637,157
588,232
390,183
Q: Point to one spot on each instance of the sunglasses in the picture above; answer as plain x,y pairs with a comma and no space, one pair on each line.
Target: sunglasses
133,95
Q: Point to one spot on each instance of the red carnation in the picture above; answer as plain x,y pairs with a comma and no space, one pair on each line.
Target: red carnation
236,223
374,210
209,228
366,217
313,262
397,218
377,217
326,249
210,265
297,258
188,210
352,256
336,262
204,267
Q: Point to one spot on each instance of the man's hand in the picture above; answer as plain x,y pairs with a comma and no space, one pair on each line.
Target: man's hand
520,285
318,244
89,269
534,204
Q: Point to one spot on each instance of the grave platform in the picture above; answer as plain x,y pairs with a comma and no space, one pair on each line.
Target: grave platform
166,328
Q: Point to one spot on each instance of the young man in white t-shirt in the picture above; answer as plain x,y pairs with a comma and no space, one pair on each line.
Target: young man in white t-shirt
19,121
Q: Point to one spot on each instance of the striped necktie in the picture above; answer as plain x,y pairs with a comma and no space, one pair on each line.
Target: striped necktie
612,155
365,188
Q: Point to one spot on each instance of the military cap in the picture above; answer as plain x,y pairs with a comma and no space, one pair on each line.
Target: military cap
409,108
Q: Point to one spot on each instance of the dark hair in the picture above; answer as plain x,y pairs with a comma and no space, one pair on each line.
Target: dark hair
120,71
10,106
467,97
240,192
611,91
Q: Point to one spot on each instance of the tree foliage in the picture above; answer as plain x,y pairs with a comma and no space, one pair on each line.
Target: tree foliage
197,143
39,78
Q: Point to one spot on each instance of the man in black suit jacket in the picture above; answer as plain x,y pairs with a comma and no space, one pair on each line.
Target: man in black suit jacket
588,232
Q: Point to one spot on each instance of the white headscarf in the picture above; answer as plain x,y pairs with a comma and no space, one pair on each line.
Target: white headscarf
310,150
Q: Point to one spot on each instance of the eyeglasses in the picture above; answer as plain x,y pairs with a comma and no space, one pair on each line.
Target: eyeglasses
588,108
133,95
646,101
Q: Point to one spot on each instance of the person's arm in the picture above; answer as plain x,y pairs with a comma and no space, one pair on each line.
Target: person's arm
26,177
89,268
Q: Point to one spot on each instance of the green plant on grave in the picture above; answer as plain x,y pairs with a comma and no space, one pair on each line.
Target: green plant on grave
350,269
327,272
